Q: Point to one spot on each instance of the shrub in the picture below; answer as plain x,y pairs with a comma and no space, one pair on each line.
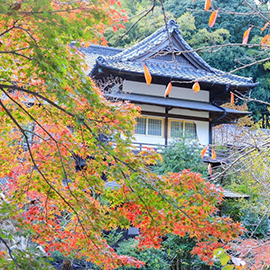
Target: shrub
180,155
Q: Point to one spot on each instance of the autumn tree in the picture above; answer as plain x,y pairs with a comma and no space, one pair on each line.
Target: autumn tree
247,42
248,168
61,142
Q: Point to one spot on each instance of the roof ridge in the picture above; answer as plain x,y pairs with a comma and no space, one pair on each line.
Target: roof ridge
230,75
123,56
93,46
193,68
158,37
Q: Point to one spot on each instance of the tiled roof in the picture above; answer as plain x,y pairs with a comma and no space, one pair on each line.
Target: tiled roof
172,102
228,115
94,51
155,52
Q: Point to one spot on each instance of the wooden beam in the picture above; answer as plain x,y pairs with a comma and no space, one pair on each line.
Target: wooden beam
177,116
166,126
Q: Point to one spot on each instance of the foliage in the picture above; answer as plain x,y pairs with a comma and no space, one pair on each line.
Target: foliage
153,258
228,29
205,38
180,155
179,249
256,224
52,117
140,29
250,175
186,24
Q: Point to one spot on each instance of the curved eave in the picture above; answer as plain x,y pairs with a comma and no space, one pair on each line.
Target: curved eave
165,102
163,79
218,115
229,116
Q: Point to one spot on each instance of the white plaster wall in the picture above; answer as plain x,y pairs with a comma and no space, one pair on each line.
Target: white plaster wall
152,108
202,132
189,113
149,139
158,90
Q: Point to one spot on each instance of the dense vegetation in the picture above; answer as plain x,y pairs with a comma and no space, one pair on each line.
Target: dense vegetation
193,22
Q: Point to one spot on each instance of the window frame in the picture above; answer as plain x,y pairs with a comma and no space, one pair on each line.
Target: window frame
184,128
147,119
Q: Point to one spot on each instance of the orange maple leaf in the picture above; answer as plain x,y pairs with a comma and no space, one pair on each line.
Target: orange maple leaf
265,26
210,171
246,35
214,155
207,4
168,90
232,98
147,75
213,18
265,40
196,87
204,151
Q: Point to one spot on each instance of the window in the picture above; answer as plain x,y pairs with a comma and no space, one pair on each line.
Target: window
154,127
183,129
141,126
190,130
149,126
176,129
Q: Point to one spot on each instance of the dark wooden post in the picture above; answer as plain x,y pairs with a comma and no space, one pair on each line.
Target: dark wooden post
210,140
166,126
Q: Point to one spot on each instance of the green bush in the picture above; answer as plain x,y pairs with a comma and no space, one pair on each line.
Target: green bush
180,155
155,259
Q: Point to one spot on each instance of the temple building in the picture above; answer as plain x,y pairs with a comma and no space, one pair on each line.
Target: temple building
120,74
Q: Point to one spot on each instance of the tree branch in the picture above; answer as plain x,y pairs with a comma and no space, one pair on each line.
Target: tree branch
40,172
10,253
140,18
19,54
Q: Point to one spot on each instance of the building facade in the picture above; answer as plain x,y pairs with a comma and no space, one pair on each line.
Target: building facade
169,59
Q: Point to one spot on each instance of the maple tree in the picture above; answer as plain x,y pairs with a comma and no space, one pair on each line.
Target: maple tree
259,256
55,161
250,163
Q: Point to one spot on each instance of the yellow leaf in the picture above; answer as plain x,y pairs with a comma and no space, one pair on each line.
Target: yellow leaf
213,18
218,252
214,155
265,40
204,151
168,90
232,98
207,4
265,26
196,87
246,35
228,267
224,258
147,75
87,44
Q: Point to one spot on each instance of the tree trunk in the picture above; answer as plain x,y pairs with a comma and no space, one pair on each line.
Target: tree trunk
67,265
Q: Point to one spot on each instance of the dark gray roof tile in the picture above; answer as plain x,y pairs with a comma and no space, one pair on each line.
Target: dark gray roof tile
187,66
